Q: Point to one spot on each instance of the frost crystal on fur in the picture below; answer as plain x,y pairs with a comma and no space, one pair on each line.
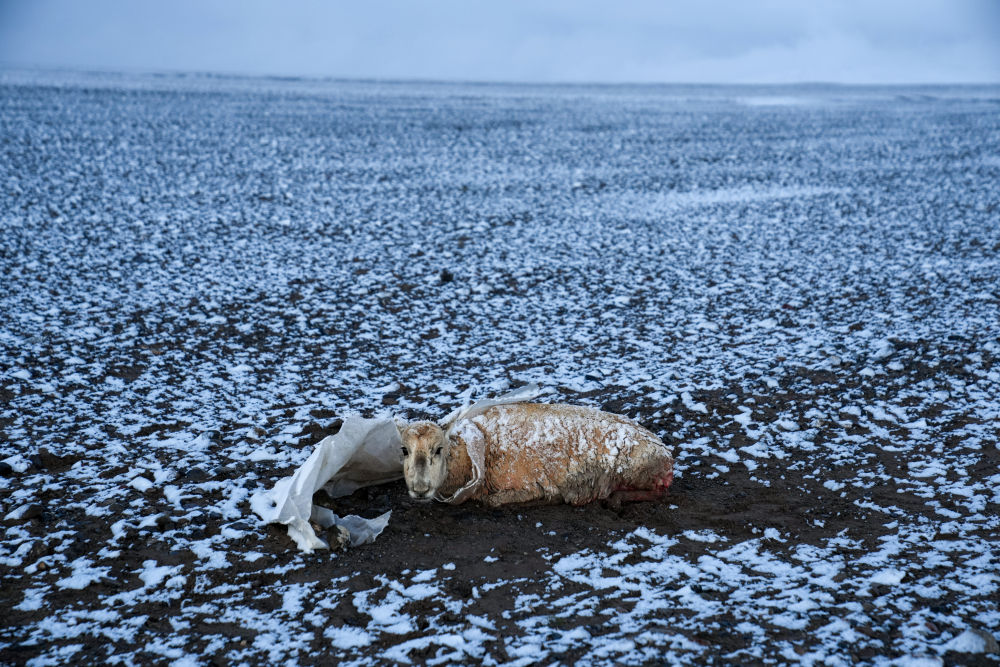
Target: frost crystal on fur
547,453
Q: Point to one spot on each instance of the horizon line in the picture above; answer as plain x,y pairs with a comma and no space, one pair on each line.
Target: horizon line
334,78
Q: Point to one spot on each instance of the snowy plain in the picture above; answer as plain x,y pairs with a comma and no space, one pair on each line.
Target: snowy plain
798,288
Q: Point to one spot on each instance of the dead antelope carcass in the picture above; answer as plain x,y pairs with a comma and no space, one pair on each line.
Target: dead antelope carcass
524,452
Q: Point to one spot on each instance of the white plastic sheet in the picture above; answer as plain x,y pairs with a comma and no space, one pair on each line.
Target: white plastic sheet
363,453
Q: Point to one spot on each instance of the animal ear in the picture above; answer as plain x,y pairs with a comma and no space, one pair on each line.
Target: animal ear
447,441
401,427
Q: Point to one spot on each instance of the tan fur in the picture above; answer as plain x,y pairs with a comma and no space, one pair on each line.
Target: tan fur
424,459
538,452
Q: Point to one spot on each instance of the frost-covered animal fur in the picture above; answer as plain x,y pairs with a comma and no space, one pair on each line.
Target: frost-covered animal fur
526,452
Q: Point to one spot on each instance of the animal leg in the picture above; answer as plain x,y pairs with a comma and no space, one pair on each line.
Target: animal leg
511,497
635,495
654,491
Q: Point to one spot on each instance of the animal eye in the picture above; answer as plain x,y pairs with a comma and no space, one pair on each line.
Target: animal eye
437,452
406,452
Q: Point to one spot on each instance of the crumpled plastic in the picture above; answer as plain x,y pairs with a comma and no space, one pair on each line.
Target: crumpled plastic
365,452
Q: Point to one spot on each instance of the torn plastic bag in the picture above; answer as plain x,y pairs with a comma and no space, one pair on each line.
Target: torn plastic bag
365,452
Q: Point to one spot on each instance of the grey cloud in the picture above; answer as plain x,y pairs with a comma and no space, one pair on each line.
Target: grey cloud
714,41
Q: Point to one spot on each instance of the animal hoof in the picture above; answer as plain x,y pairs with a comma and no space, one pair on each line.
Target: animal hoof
338,538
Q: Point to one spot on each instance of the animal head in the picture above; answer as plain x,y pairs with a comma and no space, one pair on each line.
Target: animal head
425,458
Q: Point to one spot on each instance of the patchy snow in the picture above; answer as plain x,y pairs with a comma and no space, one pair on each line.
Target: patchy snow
796,288
83,574
970,641
347,638
141,484
153,575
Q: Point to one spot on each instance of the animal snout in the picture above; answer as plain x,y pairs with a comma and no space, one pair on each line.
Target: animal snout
420,490
421,495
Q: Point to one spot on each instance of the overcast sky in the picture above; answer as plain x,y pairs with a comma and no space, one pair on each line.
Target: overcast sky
870,41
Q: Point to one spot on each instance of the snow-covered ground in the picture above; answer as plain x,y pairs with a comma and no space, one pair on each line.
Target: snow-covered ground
796,287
